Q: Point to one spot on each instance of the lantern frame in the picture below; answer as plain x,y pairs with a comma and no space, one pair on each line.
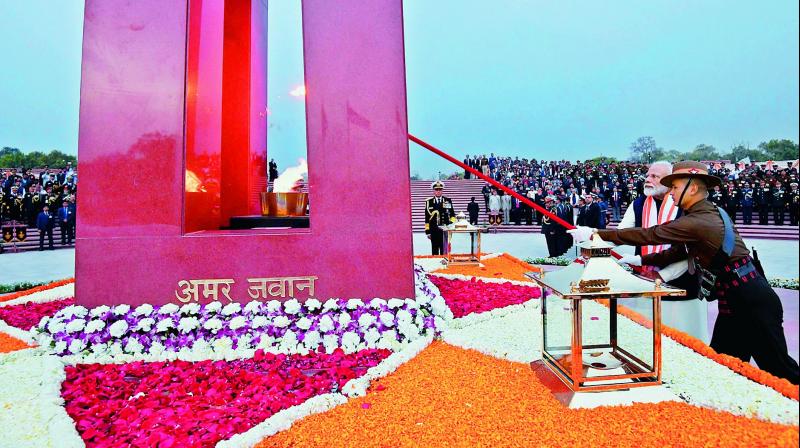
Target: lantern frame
595,275
461,227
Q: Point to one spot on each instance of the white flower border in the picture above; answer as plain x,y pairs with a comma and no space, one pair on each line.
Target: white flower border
476,318
48,295
30,396
23,335
356,387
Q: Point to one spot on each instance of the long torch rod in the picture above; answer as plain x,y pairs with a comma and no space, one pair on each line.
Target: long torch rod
496,184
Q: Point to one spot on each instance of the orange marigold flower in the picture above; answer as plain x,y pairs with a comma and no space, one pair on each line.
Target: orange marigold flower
447,396
11,344
504,266
19,294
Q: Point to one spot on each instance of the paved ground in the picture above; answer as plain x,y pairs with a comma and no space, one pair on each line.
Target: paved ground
780,259
37,266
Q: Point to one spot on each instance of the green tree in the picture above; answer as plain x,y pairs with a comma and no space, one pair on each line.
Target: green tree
15,158
603,159
703,152
741,151
780,149
642,149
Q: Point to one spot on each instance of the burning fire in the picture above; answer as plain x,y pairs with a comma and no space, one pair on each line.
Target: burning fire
193,183
291,179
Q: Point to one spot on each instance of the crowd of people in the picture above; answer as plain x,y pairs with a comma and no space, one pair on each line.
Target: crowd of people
596,192
39,198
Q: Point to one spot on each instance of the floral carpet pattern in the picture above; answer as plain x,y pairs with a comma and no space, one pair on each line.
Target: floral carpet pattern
448,367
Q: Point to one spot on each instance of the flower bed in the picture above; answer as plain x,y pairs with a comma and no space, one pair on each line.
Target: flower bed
550,261
452,397
785,283
411,393
475,296
745,369
20,286
200,332
26,315
213,331
31,291
198,404
10,344
503,266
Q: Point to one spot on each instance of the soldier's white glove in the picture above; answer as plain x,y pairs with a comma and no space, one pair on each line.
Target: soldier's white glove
633,260
581,233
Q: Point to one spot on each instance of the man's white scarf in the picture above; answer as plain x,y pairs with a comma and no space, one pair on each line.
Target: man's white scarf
652,216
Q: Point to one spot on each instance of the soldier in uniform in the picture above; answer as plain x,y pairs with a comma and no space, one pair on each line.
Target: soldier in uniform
763,199
779,200
550,229
750,320
794,204
438,212
731,202
15,204
746,202
32,205
716,197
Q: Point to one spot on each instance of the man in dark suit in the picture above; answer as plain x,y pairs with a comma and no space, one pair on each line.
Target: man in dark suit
438,212
591,212
615,203
65,223
474,210
564,211
44,222
468,162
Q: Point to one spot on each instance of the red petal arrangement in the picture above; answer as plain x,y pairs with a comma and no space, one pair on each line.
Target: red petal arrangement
179,404
474,296
26,315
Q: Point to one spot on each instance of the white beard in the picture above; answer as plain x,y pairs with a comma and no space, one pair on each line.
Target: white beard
655,191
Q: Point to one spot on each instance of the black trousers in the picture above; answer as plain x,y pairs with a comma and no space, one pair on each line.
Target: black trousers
527,213
49,233
66,234
565,242
750,325
437,242
793,216
731,211
778,215
763,215
747,215
552,244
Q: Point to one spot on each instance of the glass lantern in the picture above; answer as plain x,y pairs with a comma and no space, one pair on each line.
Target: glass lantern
583,343
462,244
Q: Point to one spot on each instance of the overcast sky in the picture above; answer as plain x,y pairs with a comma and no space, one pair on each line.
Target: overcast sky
540,79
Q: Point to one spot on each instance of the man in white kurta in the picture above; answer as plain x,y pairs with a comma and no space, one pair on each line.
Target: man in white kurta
657,207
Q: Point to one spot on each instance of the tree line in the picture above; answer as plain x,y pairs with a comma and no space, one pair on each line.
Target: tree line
645,149
15,158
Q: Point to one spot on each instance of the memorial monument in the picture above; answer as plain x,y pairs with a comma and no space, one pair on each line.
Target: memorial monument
173,114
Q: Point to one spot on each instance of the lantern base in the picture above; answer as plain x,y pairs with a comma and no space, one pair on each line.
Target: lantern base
592,399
